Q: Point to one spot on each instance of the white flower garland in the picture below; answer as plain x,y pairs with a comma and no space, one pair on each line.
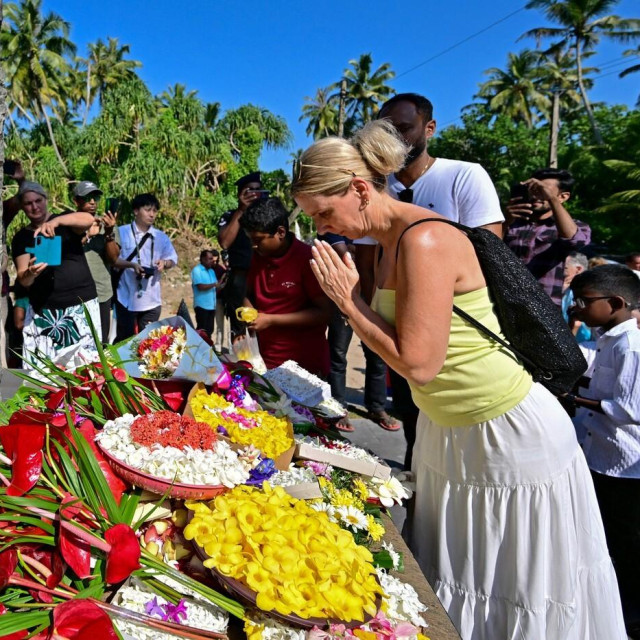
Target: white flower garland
401,601
221,466
200,615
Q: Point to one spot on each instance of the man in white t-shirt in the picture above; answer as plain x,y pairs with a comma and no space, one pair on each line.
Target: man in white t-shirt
460,191
145,253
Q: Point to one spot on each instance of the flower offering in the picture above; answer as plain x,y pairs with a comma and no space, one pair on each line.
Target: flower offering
166,445
270,434
160,352
294,558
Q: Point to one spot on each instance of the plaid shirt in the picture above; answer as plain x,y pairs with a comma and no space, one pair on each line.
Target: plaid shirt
544,253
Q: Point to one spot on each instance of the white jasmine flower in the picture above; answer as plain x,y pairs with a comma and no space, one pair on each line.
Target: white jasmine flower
395,556
401,601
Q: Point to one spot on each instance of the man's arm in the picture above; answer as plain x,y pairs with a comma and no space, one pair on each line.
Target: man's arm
111,238
494,227
229,232
477,200
567,228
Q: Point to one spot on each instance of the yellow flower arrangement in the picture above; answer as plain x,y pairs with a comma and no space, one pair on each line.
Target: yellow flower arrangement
293,557
273,436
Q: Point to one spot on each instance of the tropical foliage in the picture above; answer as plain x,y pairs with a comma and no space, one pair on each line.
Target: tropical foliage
581,26
186,151
361,90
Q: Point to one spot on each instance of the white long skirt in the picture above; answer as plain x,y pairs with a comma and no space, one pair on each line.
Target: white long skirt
507,529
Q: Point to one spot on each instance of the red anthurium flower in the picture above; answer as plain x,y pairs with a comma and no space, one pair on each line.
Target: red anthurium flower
82,620
120,375
18,635
75,551
23,444
8,564
117,486
124,556
55,399
48,557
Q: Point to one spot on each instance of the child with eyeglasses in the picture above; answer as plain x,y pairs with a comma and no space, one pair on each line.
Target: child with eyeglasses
607,297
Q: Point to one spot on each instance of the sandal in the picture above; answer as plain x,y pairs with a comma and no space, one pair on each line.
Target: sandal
384,420
344,425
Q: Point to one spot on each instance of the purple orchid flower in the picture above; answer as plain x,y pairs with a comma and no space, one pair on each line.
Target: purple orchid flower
152,608
175,611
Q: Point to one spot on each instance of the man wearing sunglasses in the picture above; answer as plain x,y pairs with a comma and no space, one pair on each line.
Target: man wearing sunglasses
460,191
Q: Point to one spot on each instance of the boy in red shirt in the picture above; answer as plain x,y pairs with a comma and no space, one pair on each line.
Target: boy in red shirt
293,310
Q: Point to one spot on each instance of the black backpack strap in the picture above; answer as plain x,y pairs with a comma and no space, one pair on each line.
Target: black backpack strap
457,225
144,238
463,314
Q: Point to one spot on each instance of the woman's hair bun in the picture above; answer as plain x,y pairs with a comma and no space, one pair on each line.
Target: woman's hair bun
381,147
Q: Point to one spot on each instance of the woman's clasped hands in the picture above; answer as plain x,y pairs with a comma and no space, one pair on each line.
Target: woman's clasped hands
338,277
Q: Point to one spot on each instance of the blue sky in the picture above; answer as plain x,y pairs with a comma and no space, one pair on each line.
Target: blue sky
273,54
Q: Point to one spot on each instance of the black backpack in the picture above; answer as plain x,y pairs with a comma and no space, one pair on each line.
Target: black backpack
532,324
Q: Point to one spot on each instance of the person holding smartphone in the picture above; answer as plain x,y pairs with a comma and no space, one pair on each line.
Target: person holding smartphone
541,231
237,244
55,324
101,246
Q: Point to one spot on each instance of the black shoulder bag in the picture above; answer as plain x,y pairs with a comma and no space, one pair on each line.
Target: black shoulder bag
533,325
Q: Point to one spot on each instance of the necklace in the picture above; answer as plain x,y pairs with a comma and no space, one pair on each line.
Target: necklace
430,161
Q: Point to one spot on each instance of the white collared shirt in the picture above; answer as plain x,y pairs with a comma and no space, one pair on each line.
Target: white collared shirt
611,441
142,295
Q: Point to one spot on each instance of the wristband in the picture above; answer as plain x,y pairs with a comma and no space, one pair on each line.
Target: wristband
109,237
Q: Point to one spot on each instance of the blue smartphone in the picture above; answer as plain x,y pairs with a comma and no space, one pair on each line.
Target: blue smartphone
48,250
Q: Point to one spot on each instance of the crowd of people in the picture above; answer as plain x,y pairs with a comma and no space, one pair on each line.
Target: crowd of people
522,500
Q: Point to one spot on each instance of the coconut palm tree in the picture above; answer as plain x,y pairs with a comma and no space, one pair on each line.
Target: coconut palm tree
516,90
36,48
322,113
582,23
366,89
105,67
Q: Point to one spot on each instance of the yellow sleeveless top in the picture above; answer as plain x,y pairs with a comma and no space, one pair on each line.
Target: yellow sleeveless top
479,380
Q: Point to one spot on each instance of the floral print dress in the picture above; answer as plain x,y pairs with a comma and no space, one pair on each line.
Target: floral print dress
60,335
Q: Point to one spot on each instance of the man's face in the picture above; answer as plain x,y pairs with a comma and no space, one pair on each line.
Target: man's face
268,245
88,203
146,215
35,207
633,263
571,270
207,260
411,126
540,207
